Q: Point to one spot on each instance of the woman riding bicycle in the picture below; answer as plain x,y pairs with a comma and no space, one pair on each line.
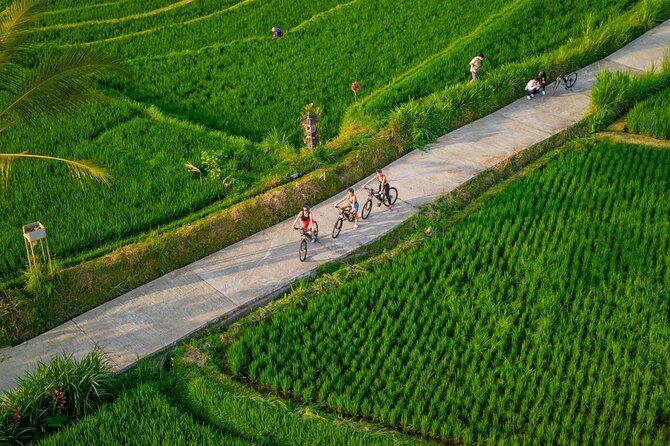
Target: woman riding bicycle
352,202
307,221
383,186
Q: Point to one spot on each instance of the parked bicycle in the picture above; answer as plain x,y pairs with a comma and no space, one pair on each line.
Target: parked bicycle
568,80
381,199
345,214
305,235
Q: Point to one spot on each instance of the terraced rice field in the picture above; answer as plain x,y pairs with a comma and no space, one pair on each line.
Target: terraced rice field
206,77
541,318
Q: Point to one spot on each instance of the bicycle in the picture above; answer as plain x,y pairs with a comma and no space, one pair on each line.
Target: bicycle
381,199
567,79
305,235
345,213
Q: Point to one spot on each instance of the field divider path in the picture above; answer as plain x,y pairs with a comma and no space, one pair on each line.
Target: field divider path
248,274
137,16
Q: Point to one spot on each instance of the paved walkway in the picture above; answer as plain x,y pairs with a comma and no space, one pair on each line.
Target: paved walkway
251,272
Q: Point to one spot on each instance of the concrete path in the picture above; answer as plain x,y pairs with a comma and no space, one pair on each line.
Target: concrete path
251,272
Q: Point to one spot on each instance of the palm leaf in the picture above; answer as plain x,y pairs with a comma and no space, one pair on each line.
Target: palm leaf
15,20
81,169
57,87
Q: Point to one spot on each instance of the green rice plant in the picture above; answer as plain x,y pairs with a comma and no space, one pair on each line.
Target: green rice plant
651,117
616,93
53,395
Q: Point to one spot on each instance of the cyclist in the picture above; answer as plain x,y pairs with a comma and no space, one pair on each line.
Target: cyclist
350,198
383,186
307,221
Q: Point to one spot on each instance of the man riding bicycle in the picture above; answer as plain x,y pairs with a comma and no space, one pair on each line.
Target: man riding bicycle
352,205
383,186
307,221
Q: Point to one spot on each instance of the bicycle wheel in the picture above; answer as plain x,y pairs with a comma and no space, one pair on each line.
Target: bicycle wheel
302,252
393,195
367,207
338,227
315,233
571,79
557,82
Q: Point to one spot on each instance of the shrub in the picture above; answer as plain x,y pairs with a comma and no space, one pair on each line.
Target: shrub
616,93
52,395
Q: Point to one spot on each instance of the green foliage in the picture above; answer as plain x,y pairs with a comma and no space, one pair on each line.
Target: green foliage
541,317
652,116
236,156
55,393
141,416
616,93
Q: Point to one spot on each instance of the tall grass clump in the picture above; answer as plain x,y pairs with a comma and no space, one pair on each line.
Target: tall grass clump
652,116
616,93
54,394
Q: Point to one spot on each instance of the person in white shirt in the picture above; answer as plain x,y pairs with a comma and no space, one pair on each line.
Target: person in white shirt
533,87
475,64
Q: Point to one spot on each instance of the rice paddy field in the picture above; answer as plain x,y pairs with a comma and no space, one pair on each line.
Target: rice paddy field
540,318
537,316
206,78
196,404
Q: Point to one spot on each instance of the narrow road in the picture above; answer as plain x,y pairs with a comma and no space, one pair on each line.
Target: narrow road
248,274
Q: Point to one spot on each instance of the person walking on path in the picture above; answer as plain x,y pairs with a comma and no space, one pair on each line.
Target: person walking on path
533,87
352,202
383,186
475,64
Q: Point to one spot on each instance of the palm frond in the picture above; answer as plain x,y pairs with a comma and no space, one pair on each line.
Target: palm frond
80,169
57,87
11,77
14,20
